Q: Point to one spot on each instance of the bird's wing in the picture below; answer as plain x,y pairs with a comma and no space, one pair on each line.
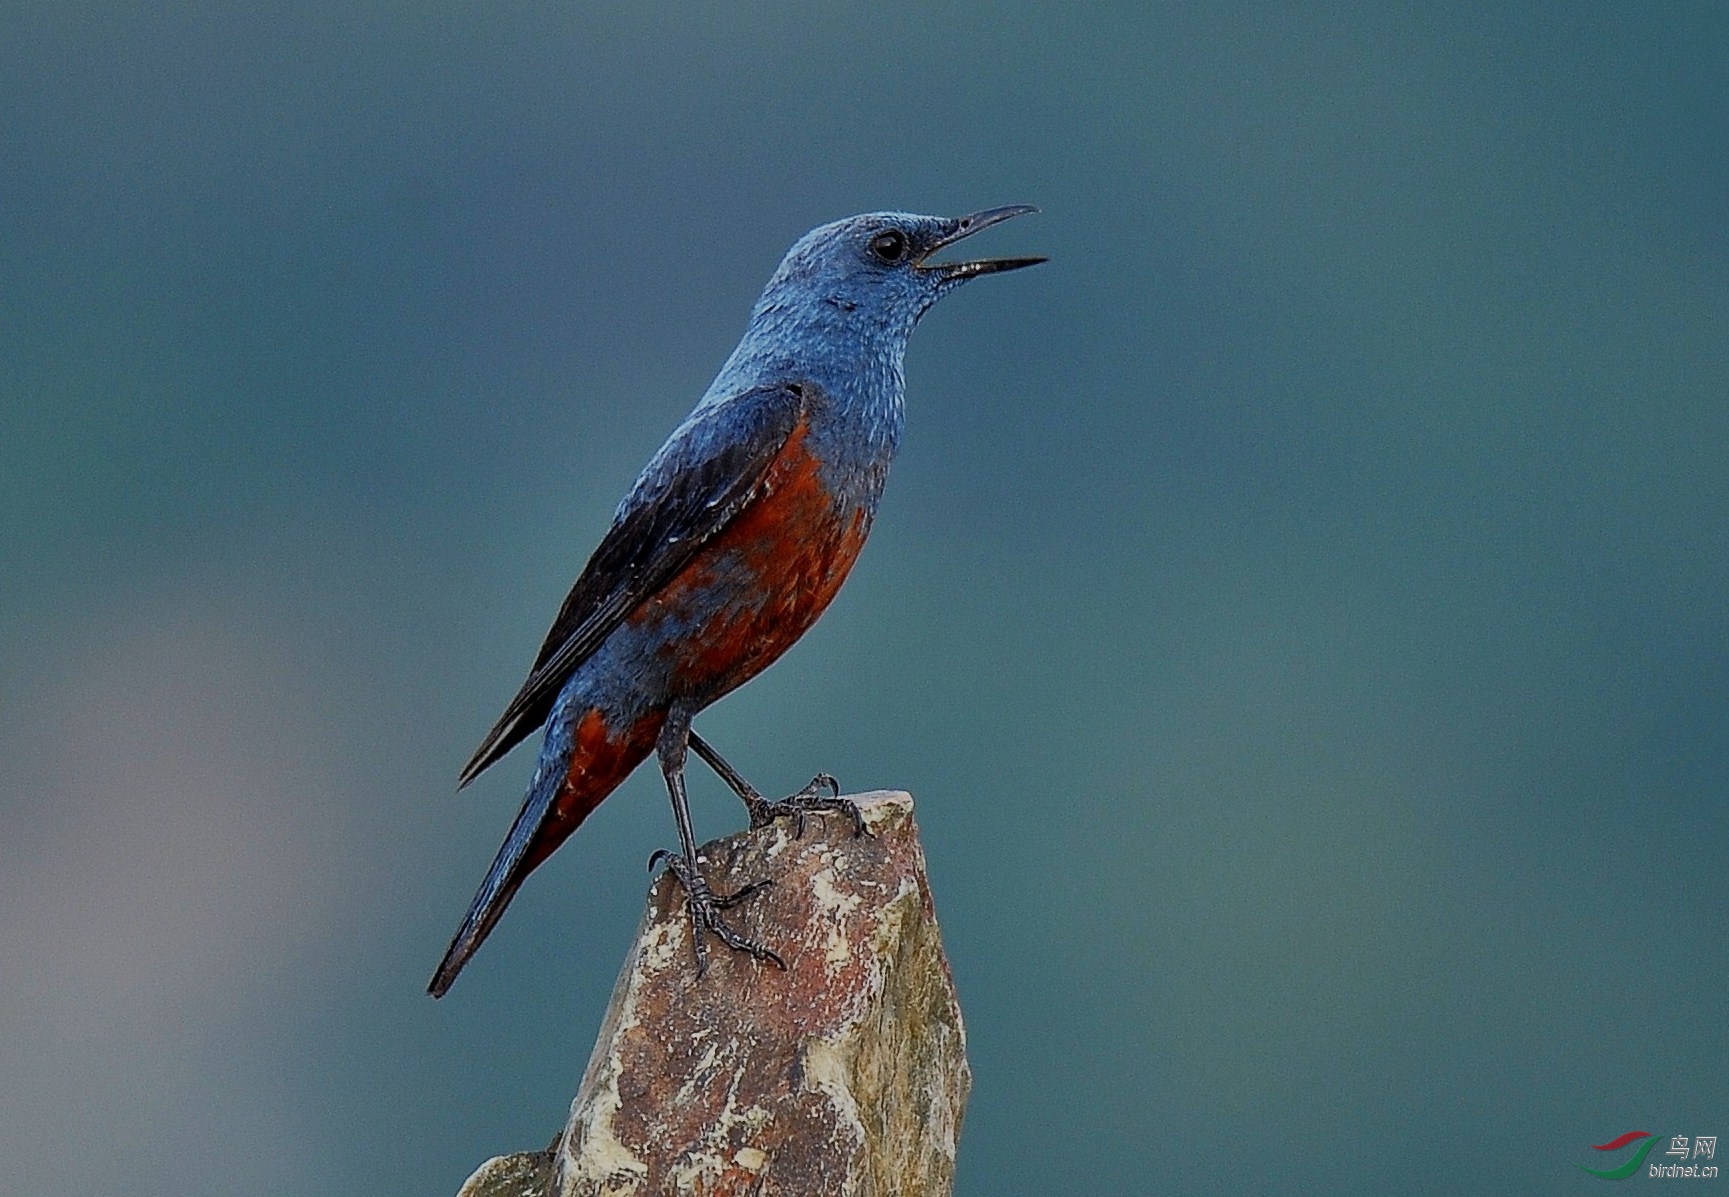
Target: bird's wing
702,476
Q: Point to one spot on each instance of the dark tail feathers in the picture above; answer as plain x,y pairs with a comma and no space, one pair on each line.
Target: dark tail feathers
502,881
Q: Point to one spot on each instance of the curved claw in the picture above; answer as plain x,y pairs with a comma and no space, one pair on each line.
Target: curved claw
704,906
728,901
810,800
739,943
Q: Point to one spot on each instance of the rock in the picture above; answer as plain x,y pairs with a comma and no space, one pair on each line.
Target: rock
526,1174
845,1074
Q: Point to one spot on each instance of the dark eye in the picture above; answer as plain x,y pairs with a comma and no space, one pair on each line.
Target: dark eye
890,246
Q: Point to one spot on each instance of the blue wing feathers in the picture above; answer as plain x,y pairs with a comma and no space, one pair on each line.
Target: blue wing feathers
707,470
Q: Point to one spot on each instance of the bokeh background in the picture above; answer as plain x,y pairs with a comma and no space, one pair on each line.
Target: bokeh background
1299,609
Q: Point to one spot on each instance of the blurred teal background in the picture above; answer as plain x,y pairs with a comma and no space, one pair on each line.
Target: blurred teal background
1299,609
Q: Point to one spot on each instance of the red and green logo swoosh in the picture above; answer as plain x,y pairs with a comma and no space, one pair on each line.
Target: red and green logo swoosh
1616,1144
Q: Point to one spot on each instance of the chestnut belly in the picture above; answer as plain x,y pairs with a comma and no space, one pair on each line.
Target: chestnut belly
753,590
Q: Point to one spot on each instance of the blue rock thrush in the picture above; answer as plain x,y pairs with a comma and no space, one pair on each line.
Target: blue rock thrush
730,545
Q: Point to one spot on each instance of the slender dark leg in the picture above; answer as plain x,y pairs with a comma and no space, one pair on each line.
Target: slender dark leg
763,812
705,905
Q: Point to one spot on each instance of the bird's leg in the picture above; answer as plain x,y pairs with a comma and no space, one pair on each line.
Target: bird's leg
763,812
704,904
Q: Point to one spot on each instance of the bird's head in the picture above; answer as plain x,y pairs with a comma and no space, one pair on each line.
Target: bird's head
877,271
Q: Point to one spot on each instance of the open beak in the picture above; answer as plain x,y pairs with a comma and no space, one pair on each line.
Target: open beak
966,226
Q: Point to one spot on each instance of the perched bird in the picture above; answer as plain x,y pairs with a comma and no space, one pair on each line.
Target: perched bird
730,545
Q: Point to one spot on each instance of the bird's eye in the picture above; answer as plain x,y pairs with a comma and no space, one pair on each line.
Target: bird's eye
890,246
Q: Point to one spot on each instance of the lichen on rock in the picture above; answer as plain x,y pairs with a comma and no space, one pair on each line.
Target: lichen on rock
844,1074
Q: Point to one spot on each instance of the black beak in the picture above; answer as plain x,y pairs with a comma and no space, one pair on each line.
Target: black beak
966,226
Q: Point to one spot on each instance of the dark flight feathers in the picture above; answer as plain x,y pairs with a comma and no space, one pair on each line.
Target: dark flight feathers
702,478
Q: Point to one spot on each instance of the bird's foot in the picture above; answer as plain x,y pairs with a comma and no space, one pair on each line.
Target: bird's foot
705,906
809,800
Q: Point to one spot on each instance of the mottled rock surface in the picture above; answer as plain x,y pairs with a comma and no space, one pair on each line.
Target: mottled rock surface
845,1074
526,1174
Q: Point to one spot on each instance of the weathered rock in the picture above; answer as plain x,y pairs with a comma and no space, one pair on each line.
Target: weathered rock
526,1174
845,1074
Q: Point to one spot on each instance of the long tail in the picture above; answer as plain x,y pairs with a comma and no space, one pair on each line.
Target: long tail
515,862
582,761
